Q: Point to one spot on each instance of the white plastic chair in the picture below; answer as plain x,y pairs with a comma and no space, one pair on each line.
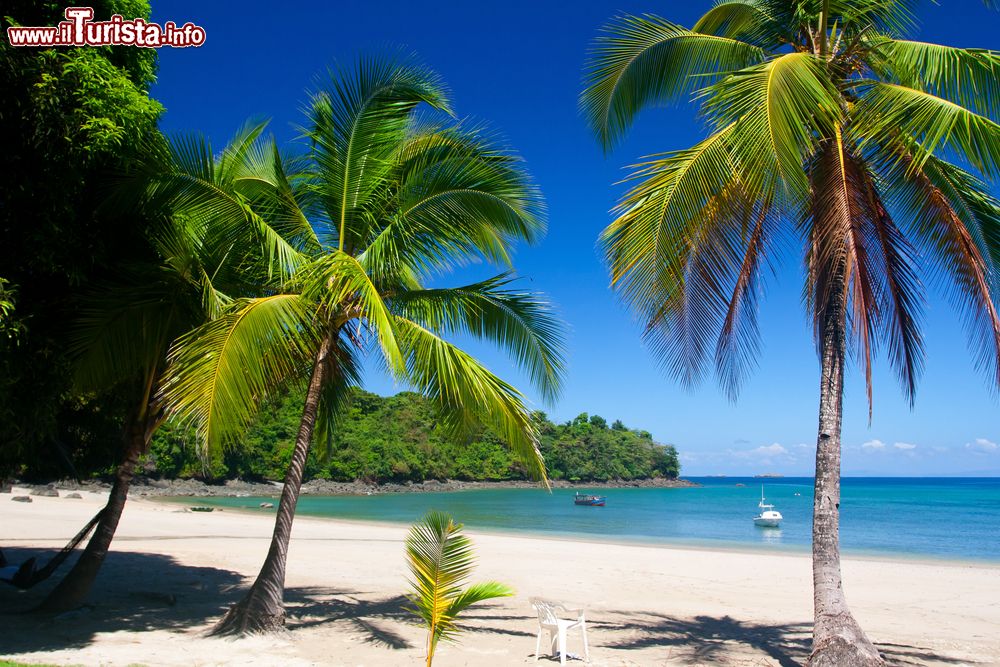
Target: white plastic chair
548,620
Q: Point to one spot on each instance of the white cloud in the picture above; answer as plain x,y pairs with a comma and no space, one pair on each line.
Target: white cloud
982,445
904,446
873,446
762,452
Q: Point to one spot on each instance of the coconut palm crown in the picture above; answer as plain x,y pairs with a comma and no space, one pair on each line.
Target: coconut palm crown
830,131
363,227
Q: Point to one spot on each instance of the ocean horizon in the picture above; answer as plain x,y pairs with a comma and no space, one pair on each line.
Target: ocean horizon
950,518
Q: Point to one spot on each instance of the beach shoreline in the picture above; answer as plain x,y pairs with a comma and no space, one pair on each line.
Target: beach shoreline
237,488
172,572
616,540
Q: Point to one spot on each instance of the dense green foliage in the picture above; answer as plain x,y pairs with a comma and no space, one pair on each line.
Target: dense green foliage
69,119
397,439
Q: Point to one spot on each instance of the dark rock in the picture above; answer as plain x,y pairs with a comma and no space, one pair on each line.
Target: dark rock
21,499
45,491
74,495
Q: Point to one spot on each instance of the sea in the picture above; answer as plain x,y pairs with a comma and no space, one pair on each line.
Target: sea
923,518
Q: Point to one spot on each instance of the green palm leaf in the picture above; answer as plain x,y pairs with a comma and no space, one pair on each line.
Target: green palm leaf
520,322
461,195
646,60
934,124
968,77
440,560
356,123
220,372
467,394
776,109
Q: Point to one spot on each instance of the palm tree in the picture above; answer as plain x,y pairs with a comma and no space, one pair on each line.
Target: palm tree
440,559
127,325
381,204
827,128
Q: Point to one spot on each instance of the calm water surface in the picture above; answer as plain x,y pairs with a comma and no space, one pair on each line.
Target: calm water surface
956,518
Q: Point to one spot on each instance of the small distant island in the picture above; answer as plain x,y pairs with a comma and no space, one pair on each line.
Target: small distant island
768,475
395,443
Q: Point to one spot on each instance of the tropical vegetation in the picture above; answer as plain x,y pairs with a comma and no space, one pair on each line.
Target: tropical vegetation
440,559
70,117
830,132
396,439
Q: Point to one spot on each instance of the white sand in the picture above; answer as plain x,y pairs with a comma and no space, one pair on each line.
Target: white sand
171,573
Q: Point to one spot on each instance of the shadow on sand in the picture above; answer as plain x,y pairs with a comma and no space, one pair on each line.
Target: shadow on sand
707,640
147,591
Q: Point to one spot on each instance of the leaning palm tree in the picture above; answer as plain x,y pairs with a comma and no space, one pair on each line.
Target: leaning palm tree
381,204
127,325
827,128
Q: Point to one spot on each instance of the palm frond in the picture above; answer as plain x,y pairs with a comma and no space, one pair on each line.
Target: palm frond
125,328
955,222
934,125
219,373
179,177
520,322
777,109
440,559
355,123
893,17
967,77
645,60
469,395
461,195
744,20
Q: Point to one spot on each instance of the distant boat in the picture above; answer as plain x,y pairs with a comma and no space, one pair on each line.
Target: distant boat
590,501
768,517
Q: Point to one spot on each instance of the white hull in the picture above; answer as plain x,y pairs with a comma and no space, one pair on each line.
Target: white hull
767,523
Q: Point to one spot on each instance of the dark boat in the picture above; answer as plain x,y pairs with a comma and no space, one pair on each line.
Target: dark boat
590,501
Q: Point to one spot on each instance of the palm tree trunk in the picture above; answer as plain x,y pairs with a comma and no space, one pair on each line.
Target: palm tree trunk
73,589
263,607
838,640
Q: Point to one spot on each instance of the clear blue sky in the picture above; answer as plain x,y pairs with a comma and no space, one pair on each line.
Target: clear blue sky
517,66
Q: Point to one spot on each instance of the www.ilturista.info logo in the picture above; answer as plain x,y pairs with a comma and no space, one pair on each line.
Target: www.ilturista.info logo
80,30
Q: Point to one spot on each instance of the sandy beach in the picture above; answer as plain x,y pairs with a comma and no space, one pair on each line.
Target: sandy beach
172,572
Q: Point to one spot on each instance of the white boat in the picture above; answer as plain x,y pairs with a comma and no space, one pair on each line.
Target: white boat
768,517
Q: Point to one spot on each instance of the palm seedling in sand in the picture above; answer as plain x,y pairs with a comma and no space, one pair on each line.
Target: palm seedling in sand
381,204
440,559
831,131
201,243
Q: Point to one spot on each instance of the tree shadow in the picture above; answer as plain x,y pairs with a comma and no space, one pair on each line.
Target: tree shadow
147,591
708,639
140,591
316,606
133,592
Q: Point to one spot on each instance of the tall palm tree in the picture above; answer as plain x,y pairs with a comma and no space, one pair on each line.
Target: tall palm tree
830,129
381,204
193,271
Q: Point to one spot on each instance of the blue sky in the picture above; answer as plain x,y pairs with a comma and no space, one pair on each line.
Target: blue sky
517,66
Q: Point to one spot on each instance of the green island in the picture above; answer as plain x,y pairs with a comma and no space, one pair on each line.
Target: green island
396,439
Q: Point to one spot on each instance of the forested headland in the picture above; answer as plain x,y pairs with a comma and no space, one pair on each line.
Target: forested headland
398,439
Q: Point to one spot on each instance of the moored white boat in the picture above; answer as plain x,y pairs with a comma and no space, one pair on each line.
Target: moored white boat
768,517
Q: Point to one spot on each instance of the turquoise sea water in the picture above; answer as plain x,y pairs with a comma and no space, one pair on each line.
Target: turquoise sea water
954,518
